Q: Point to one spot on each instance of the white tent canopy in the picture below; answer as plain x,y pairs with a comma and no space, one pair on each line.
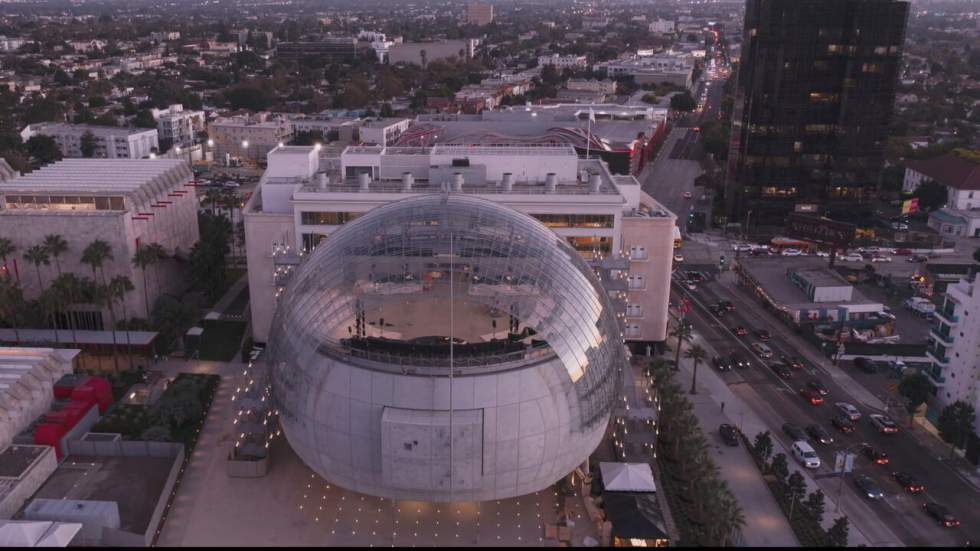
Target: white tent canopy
627,477
37,533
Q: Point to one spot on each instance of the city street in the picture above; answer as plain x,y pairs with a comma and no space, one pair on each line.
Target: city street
778,401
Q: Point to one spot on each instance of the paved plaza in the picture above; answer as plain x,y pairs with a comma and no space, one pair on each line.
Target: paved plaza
292,506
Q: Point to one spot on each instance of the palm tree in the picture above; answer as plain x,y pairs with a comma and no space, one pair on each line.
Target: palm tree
682,332
38,255
119,287
95,255
145,256
56,246
213,196
11,300
7,248
160,254
697,354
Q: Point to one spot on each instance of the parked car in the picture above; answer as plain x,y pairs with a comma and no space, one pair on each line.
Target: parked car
762,350
851,257
843,424
883,423
869,488
881,258
805,454
820,435
811,396
917,258
908,482
739,331
678,257
695,276
794,431
941,514
781,370
849,411
792,361
864,364
729,434
818,386
878,457
900,226
763,334
791,252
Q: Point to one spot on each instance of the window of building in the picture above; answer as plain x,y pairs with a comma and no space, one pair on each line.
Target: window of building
637,282
871,68
779,191
311,240
634,311
591,244
638,253
823,97
797,146
632,330
327,218
576,220
834,48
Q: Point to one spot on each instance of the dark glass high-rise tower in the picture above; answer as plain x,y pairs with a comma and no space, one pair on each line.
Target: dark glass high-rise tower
815,92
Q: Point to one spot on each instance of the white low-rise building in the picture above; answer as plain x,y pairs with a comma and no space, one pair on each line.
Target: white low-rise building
563,61
383,131
656,69
606,217
126,203
111,142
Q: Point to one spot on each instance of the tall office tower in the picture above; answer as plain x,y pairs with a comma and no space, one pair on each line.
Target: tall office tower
479,14
816,86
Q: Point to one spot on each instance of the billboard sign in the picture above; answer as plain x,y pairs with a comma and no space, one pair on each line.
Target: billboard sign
820,230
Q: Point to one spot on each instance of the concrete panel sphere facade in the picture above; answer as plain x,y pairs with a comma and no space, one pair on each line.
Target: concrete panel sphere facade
362,380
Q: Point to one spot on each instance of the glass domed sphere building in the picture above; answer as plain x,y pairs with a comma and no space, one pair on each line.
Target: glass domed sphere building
445,347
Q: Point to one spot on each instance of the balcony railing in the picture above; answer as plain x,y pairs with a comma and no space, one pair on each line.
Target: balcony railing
947,316
948,339
944,360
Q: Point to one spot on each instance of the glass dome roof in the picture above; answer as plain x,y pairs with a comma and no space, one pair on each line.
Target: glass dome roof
441,280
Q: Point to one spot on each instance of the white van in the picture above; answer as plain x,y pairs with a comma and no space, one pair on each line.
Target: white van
805,454
762,350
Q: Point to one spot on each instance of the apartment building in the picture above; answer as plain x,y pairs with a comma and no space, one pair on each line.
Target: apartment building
623,232
955,352
563,61
248,137
178,126
111,142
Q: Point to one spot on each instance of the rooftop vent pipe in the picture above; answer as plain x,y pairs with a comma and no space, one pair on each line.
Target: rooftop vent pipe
364,180
407,181
508,182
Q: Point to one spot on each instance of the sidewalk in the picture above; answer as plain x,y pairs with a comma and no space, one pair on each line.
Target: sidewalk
765,524
760,507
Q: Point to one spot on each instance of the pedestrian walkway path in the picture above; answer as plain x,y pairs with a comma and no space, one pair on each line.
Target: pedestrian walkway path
743,476
230,295
765,524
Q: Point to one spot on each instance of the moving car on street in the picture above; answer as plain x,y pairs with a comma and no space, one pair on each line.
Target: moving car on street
818,386
792,361
739,331
869,488
805,454
876,456
811,396
908,482
762,350
722,363
849,411
781,370
941,514
843,424
820,435
794,431
763,334
883,423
